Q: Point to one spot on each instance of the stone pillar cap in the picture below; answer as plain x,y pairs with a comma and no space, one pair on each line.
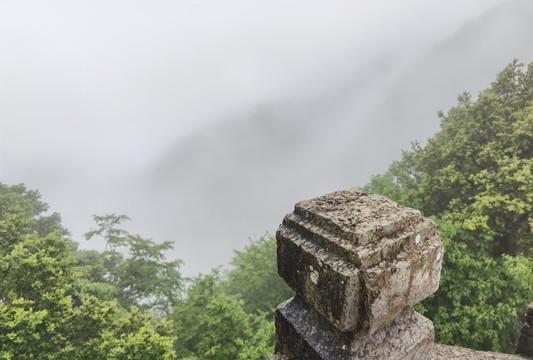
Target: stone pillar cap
358,258
356,215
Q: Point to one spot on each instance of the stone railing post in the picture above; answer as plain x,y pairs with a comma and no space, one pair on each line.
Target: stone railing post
525,342
358,263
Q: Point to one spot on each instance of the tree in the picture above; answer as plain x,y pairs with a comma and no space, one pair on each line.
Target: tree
478,298
210,324
110,333
385,185
475,177
232,317
135,266
35,289
254,277
479,165
17,199
49,311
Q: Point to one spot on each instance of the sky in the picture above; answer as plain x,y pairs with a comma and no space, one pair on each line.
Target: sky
205,121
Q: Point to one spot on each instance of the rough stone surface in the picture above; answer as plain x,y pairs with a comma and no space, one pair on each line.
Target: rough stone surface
409,336
280,357
446,352
358,259
328,282
525,343
304,334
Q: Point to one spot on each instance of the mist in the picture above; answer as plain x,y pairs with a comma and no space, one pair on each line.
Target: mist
206,121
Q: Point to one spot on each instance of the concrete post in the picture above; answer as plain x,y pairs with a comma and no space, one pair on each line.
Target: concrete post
358,263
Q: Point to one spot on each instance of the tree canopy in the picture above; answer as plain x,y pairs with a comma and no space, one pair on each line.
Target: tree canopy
254,277
135,266
49,309
230,315
478,167
474,177
60,302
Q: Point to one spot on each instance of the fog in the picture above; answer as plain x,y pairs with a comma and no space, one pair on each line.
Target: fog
205,121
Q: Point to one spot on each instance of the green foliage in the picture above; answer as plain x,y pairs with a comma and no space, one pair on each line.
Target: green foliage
476,304
210,324
255,279
60,303
232,317
133,336
16,199
35,289
386,186
102,330
134,266
475,176
48,310
479,165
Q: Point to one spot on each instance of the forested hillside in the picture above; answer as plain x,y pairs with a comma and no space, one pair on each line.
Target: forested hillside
474,178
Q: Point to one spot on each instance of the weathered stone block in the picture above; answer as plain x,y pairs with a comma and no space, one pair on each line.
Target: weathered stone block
328,282
409,336
358,259
392,286
304,334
